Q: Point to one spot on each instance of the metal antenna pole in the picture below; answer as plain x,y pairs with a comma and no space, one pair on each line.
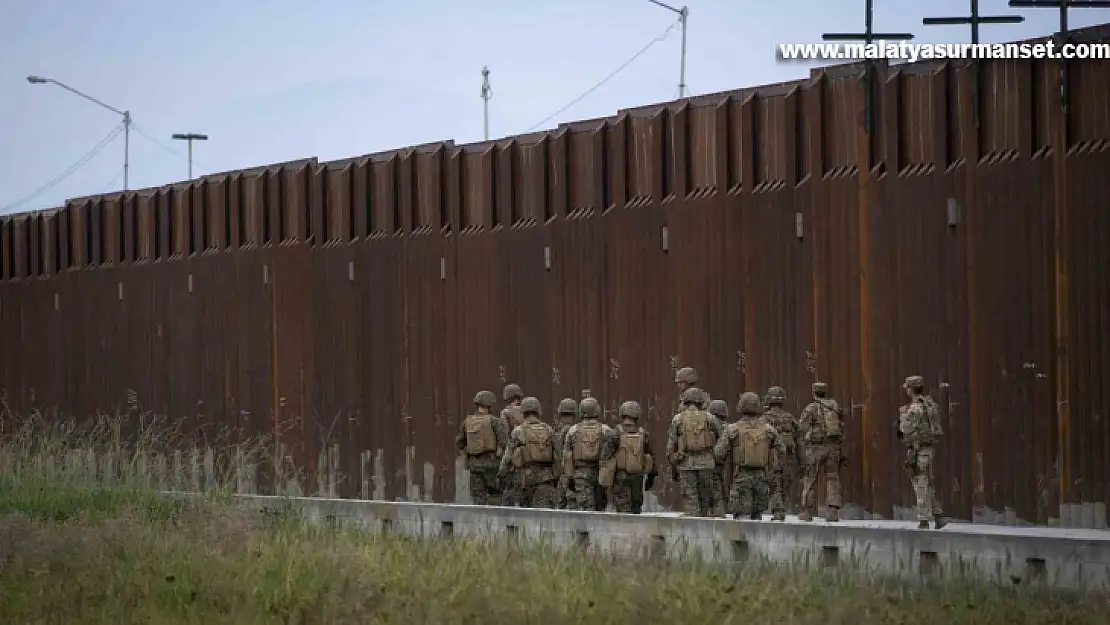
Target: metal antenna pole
683,14
974,20
867,36
190,137
126,148
487,95
1065,34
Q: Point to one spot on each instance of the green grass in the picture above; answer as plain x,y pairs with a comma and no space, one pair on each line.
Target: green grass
76,550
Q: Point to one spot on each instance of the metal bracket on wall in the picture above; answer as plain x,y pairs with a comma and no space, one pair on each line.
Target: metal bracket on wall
351,271
547,257
442,268
119,290
265,274
953,212
666,243
190,283
799,226
57,302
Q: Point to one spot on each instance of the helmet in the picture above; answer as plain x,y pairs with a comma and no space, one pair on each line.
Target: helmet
776,396
568,406
630,409
512,391
718,408
915,382
485,398
687,375
820,388
531,404
749,404
706,398
589,408
694,396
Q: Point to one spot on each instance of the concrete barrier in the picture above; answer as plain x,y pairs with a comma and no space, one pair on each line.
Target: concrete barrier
1063,558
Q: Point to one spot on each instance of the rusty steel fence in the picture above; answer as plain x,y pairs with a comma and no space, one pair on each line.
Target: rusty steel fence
763,236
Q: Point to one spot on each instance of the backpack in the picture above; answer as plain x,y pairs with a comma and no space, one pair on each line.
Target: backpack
830,417
538,443
630,453
480,437
514,416
696,435
587,443
751,449
933,410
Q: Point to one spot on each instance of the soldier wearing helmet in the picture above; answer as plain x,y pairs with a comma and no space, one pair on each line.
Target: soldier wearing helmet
531,453
588,454
787,466
684,378
567,415
635,464
719,408
751,443
481,440
919,429
690,441
513,416
822,431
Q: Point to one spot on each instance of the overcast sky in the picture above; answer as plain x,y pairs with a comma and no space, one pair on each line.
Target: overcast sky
278,80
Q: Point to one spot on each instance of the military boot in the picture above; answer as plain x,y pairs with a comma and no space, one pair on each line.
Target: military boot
778,516
833,515
922,525
806,515
939,522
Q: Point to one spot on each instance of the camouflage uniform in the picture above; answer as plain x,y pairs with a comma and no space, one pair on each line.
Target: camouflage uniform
568,414
695,469
919,429
787,467
749,488
628,487
822,454
511,494
723,473
483,466
588,492
537,477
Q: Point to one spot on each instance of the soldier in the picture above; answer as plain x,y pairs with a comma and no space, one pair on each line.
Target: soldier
919,429
690,440
684,378
588,451
723,473
481,439
568,414
752,443
512,415
822,431
635,465
531,451
787,466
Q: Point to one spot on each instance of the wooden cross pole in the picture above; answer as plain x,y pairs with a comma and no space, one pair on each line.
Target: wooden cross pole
1065,34
867,36
974,20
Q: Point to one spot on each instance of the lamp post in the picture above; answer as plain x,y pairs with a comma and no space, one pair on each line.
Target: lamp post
190,137
126,115
683,13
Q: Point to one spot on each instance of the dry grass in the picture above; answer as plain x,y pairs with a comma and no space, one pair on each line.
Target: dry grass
74,549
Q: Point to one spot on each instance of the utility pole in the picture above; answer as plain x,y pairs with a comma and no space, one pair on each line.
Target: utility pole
1065,34
867,36
190,137
683,14
126,115
487,95
974,20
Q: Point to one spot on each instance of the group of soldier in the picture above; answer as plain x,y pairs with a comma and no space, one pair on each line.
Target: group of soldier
741,468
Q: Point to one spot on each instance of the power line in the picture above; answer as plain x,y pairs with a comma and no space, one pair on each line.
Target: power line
142,133
68,172
597,86
112,182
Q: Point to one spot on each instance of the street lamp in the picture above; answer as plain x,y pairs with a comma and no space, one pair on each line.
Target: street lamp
683,13
190,137
39,80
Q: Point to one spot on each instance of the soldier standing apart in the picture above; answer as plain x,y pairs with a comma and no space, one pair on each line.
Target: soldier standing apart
531,452
822,430
786,466
568,414
723,472
752,443
919,429
690,440
481,439
589,449
635,465
513,416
